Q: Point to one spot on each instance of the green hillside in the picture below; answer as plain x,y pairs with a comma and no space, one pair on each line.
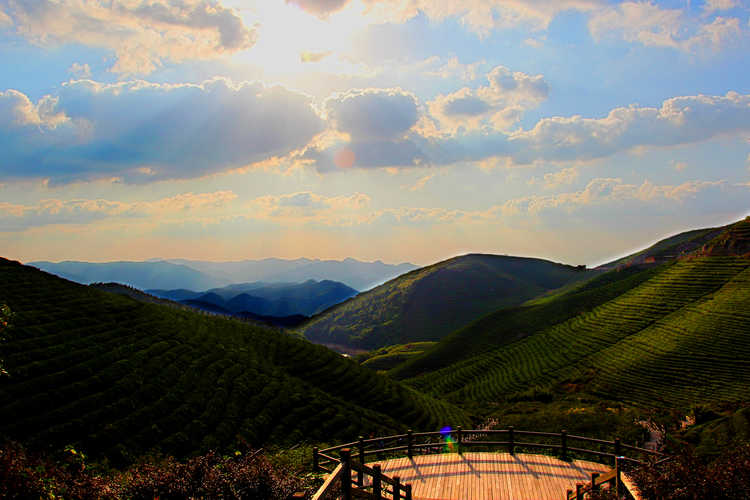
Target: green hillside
679,337
117,378
428,303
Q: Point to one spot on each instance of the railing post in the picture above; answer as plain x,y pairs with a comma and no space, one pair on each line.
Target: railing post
617,476
618,447
459,439
396,488
316,459
564,444
409,443
594,477
511,441
579,491
346,474
361,472
376,488
407,489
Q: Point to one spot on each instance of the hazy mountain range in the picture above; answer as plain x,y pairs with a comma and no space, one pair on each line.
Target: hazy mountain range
266,299
204,275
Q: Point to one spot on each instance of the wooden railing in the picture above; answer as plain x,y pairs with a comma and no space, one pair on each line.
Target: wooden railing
363,482
457,441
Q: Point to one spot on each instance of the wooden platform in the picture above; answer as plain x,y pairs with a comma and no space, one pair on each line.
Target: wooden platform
489,476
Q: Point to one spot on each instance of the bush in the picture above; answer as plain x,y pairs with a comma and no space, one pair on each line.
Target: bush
24,475
688,477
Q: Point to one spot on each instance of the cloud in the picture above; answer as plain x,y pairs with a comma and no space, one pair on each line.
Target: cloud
142,33
373,114
320,8
605,191
680,120
498,105
80,71
481,16
718,5
560,178
15,217
141,132
307,207
314,57
650,25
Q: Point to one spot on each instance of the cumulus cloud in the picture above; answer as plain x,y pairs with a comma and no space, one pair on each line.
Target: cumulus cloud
373,114
373,126
603,191
498,105
651,25
140,131
680,120
718,5
16,217
80,71
481,16
142,33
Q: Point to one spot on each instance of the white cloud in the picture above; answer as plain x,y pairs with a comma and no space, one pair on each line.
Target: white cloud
142,33
680,120
603,191
16,217
560,178
499,105
80,71
651,25
141,132
307,207
718,5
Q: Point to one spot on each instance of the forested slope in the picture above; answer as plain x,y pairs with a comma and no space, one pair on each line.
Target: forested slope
118,378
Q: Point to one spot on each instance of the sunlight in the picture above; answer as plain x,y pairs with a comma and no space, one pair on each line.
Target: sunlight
292,41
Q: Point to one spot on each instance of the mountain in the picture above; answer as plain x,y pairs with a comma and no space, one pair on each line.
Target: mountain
117,378
428,303
669,335
356,274
141,275
267,299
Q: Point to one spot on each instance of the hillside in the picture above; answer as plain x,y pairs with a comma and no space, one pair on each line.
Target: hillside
428,303
268,299
116,377
677,338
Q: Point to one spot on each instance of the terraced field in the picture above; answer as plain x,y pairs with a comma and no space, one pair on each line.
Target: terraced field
681,336
118,378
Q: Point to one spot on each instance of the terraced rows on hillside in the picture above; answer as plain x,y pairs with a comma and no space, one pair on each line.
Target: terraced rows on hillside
625,343
119,377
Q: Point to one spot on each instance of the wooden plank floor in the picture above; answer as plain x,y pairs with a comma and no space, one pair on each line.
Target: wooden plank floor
489,476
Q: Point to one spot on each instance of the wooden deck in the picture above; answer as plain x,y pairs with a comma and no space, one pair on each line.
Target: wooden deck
489,476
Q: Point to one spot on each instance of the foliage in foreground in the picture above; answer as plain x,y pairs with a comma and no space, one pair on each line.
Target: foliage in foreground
688,477
248,476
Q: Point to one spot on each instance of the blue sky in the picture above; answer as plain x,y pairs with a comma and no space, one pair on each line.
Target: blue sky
400,130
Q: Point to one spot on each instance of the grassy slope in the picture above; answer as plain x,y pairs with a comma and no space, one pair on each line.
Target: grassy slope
428,303
388,357
118,377
508,325
679,337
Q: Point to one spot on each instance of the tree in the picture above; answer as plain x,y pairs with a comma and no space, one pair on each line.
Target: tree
5,317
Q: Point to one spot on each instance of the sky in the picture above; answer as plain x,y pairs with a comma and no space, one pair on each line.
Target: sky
394,130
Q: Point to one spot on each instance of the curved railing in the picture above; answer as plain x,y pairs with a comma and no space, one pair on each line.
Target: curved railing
459,440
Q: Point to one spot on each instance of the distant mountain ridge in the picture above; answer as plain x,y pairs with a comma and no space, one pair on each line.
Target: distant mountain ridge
265,299
430,302
203,275
354,273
